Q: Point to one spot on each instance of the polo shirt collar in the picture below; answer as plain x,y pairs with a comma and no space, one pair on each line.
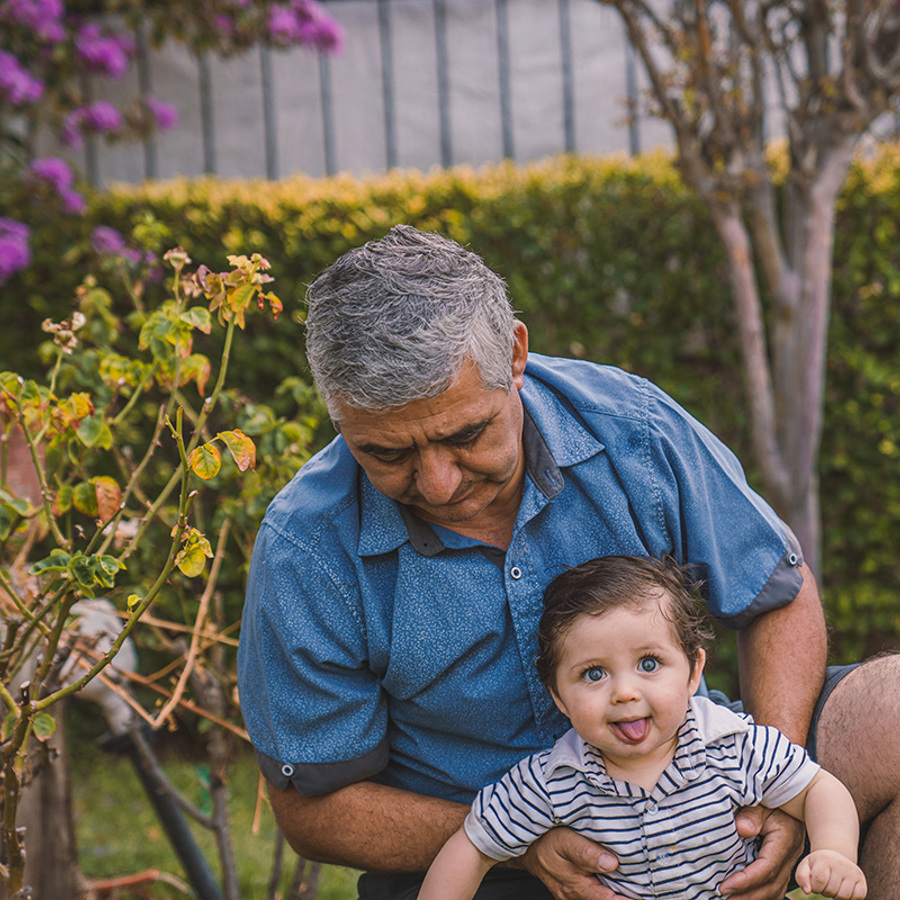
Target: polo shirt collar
385,524
567,440
705,723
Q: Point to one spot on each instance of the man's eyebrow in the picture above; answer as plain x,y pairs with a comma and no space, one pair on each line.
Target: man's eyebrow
467,431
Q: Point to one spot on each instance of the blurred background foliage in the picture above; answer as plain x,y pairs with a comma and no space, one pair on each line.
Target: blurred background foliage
608,259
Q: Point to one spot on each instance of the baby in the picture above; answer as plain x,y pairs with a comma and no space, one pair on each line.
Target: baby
648,770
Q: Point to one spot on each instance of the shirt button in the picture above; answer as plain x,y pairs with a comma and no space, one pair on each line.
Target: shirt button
287,770
793,559
515,572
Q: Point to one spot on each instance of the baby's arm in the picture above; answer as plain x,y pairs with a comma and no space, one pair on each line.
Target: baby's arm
456,871
832,823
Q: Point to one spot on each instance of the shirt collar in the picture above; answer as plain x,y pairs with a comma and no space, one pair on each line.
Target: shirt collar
704,724
386,524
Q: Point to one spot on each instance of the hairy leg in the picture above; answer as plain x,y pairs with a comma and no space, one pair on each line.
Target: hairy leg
859,741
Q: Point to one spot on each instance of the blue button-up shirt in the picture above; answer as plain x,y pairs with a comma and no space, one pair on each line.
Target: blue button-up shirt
374,645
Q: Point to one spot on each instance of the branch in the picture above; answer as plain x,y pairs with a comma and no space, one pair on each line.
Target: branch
173,701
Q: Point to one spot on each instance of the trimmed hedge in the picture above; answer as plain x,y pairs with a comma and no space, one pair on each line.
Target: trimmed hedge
609,259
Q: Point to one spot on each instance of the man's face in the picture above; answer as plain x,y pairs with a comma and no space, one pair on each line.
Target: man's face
455,459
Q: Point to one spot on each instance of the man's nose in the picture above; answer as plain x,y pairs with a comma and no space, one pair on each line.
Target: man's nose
437,475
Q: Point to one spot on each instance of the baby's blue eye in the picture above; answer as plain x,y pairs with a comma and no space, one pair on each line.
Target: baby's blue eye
649,664
594,673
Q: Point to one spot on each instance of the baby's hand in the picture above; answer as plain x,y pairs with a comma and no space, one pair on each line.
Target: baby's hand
830,873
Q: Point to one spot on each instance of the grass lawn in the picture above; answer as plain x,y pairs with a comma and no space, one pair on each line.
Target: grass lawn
119,833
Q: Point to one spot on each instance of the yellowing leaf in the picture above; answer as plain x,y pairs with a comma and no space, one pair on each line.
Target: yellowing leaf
109,497
191,559
205,461
241,448
84,499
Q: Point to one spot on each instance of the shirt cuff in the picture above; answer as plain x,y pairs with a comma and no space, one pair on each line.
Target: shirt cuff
780,590
314,779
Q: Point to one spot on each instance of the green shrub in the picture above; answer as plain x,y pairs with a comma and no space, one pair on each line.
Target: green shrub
610,259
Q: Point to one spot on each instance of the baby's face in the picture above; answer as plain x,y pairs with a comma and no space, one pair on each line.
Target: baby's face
624,682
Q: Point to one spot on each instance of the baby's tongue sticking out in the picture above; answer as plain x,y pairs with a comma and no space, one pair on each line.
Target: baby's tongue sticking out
632,732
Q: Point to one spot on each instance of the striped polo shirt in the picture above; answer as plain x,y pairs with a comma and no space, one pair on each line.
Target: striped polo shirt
676,841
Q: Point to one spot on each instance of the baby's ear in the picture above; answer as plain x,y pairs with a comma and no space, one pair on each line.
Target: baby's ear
697,673
559,704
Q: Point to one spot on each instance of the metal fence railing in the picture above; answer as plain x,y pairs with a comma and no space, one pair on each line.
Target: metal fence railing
418,83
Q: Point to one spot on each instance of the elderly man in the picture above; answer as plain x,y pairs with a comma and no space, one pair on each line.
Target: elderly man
386,656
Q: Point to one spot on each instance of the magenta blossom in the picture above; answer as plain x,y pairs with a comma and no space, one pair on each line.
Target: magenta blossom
19,86
108,54
54,170
15,253
99,116
316,26
107,241
58,174
102,116
73,202
165,114
41,17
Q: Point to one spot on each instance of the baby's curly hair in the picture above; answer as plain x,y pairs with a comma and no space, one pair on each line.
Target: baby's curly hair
602,584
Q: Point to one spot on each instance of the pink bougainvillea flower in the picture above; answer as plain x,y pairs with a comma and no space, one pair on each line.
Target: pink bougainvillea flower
102,116
41,17
15,253
165,114
53,170
16,83
107,241
104,53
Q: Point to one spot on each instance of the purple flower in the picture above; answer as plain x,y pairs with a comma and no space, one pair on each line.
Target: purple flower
107,241
39,16
317,28
54,170
103,53
70,133
165,114
224,24
73,202
102,116
15,253
284,25
17,83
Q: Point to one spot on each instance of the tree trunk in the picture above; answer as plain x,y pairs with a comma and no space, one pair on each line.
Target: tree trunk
45,811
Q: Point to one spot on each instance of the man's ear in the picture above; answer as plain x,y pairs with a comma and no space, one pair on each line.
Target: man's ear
520,354
697,674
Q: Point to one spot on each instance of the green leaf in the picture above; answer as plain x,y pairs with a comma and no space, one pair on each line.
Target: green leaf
90,431
134,600
84,499
205,461
63,500
57,561
241,448
198,317
44,726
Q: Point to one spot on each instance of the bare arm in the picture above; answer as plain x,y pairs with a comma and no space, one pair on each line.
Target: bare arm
833,826
367,826
781,657
384,829
457,870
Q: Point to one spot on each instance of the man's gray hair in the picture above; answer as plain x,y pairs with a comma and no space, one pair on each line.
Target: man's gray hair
395,320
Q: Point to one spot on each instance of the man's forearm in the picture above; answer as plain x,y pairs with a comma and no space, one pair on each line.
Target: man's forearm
781,656
367,826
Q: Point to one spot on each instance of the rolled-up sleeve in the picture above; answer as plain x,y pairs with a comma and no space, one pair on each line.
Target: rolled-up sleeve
314,710
747,556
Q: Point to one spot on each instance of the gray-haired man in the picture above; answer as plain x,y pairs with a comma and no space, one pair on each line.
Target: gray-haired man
386,653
